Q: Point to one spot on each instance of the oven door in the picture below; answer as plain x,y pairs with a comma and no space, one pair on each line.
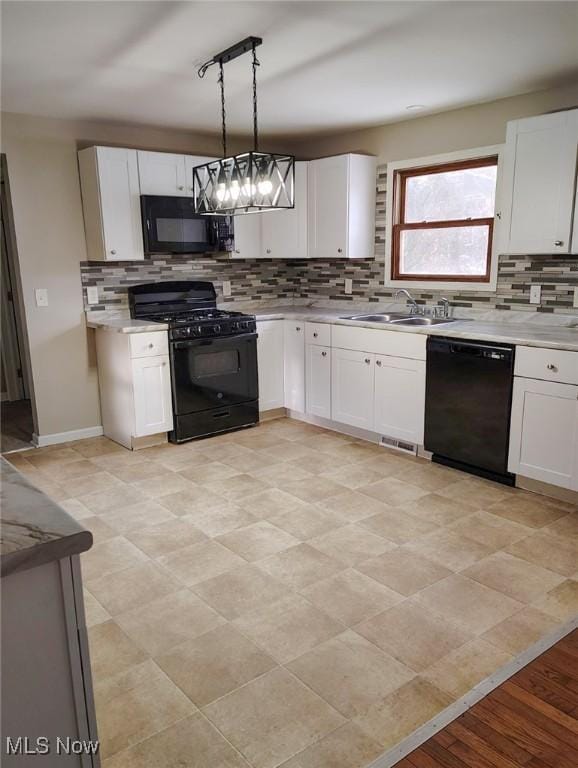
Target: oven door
209,373
170,225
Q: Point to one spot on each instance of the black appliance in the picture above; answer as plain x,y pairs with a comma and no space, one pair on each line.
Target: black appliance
170,225
213,356
467,409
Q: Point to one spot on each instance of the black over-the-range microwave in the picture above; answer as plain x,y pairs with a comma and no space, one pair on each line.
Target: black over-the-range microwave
170,225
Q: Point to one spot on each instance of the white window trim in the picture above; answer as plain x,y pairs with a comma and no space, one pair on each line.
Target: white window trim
441,285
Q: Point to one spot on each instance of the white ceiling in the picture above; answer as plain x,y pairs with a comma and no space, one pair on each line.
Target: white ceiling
325,65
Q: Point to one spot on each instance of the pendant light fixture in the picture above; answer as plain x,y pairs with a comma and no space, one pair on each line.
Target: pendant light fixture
252,182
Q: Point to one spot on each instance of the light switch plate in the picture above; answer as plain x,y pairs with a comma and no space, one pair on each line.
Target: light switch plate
226,287
535,294
576,297
92,294
41,295
348,285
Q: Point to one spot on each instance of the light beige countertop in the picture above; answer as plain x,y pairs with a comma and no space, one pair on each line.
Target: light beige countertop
523,331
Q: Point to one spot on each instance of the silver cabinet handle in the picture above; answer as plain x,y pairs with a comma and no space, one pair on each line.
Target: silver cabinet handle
324,354
378,362
151,346
268,250
340,250
552,367
315,335
367,361
297,327
499,215
180,189
237,251
558,243
163,364
113,253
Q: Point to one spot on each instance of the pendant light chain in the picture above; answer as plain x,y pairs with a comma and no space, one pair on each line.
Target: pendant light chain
256,63
223,115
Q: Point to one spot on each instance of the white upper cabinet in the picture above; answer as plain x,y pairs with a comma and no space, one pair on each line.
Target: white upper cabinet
163,173
284,232
111,203
247,228
342,207
539,184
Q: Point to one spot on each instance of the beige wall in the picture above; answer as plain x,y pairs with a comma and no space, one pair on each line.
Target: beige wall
477,126
45,190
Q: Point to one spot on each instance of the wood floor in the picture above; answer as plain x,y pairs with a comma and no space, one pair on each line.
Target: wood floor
530,720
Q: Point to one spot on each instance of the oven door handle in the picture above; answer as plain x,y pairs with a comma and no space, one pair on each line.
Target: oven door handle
183,344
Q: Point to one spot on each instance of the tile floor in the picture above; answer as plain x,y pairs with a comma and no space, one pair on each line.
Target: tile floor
288,596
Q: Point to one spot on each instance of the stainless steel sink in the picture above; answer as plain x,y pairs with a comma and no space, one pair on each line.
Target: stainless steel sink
379,318
398,318
423,321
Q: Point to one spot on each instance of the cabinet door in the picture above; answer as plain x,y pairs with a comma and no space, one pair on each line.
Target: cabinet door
295,365
120,203
328,207
284,233
352,380
162,173
152,395
190,162
539,183
248,235
318,381
270,362
544,432
400,398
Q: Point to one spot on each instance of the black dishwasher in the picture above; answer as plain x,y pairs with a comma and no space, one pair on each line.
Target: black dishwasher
468,401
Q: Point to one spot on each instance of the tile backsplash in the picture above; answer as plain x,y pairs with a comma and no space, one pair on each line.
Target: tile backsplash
269,280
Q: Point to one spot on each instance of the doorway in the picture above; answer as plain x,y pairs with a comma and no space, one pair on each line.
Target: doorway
16,415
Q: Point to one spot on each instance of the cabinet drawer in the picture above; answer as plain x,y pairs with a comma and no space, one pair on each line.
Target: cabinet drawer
547,364
380,342
318,333
149,344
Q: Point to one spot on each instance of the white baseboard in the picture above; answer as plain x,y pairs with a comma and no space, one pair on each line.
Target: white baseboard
40,441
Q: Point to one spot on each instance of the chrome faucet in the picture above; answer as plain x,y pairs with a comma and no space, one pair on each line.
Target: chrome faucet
415,308
443,308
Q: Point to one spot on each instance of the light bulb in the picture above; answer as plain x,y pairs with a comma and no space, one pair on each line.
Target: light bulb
265,186
235,189
222,194
248,189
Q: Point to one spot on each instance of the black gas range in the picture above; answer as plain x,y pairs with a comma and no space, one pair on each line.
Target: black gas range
213,356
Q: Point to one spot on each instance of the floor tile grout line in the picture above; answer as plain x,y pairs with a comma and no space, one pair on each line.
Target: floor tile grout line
467,701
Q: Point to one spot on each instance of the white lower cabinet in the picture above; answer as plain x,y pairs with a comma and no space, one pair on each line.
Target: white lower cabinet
135,385
152,395
318,381
352,386
544,432
270,357
399,398
295,365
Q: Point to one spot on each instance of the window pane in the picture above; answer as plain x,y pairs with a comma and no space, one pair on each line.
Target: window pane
444,251
465,194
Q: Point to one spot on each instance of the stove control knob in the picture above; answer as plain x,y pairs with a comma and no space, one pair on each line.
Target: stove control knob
217,328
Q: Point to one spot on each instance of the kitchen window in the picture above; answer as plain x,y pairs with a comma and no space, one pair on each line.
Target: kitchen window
442,218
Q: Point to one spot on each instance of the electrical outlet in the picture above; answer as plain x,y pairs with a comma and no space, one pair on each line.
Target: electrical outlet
576,297
226,287
92,294
348,285
535,294
41,295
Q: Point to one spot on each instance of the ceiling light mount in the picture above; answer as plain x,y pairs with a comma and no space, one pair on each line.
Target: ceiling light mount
252,182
